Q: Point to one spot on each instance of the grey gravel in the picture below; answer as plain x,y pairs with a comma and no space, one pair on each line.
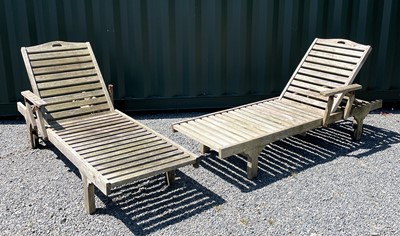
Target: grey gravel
320,184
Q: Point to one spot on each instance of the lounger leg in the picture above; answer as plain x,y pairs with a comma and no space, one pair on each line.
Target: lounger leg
33,137
358,128
170,177
252,162
204,148
88,189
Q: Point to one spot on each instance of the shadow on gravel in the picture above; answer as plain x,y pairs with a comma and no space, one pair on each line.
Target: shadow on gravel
294,154
148,205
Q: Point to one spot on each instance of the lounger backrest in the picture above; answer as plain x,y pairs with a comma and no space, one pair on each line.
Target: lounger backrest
328,63
67,77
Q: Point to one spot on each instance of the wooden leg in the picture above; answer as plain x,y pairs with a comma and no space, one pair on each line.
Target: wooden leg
197,163
303,134
204,148
358,128
252,162
170,177
33,137
88,189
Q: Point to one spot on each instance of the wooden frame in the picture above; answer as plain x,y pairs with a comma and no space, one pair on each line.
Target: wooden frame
71,107
312,98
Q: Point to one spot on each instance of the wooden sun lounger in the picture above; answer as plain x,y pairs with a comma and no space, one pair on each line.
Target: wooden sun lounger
71,108
311,99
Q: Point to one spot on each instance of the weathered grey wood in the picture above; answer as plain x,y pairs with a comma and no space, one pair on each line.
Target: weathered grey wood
342,89
339,51
69,90
63,61
328,69
303,105
328,109
68,82
66,75
58,54
35,100
62,68
338,64
74,110
333,56
88,190
170,177
349,104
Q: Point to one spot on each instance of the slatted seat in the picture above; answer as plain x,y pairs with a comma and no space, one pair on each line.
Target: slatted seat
312,98
71,108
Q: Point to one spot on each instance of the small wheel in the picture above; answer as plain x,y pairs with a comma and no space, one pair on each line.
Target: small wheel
33,138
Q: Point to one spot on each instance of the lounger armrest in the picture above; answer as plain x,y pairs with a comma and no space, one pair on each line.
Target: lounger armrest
33,98
342,89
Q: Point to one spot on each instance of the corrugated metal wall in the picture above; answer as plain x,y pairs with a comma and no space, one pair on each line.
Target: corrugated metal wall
173,54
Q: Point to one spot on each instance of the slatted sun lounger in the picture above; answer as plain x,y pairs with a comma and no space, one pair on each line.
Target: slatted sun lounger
71,107
311,99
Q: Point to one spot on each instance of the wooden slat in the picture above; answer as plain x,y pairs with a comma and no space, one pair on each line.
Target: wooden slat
231,119
214,126
66,75
328,69
67,82
194,128
104,132
57,54
335,57
306,92
338,64
320,82
306,100
303,109
54,46
134,154
136,160
77,112
240,131
62,68
267,119
61,126
323,75
346,44
286,112
339,51
309,86
71,97
87,129
118,145
215,133
126,131
255,125
115,137
69,90
130,172
270,115
197,136
75,104
88,124
62,61
131,167
130,149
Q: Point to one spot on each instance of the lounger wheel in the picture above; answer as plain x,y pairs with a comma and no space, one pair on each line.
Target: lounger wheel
33,137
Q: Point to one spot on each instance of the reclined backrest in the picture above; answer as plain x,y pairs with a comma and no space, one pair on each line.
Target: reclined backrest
328,63
67,77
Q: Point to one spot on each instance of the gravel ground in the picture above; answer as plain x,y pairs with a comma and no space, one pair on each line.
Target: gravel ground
320,184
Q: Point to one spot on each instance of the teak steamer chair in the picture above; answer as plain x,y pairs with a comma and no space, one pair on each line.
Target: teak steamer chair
71,107
312,98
